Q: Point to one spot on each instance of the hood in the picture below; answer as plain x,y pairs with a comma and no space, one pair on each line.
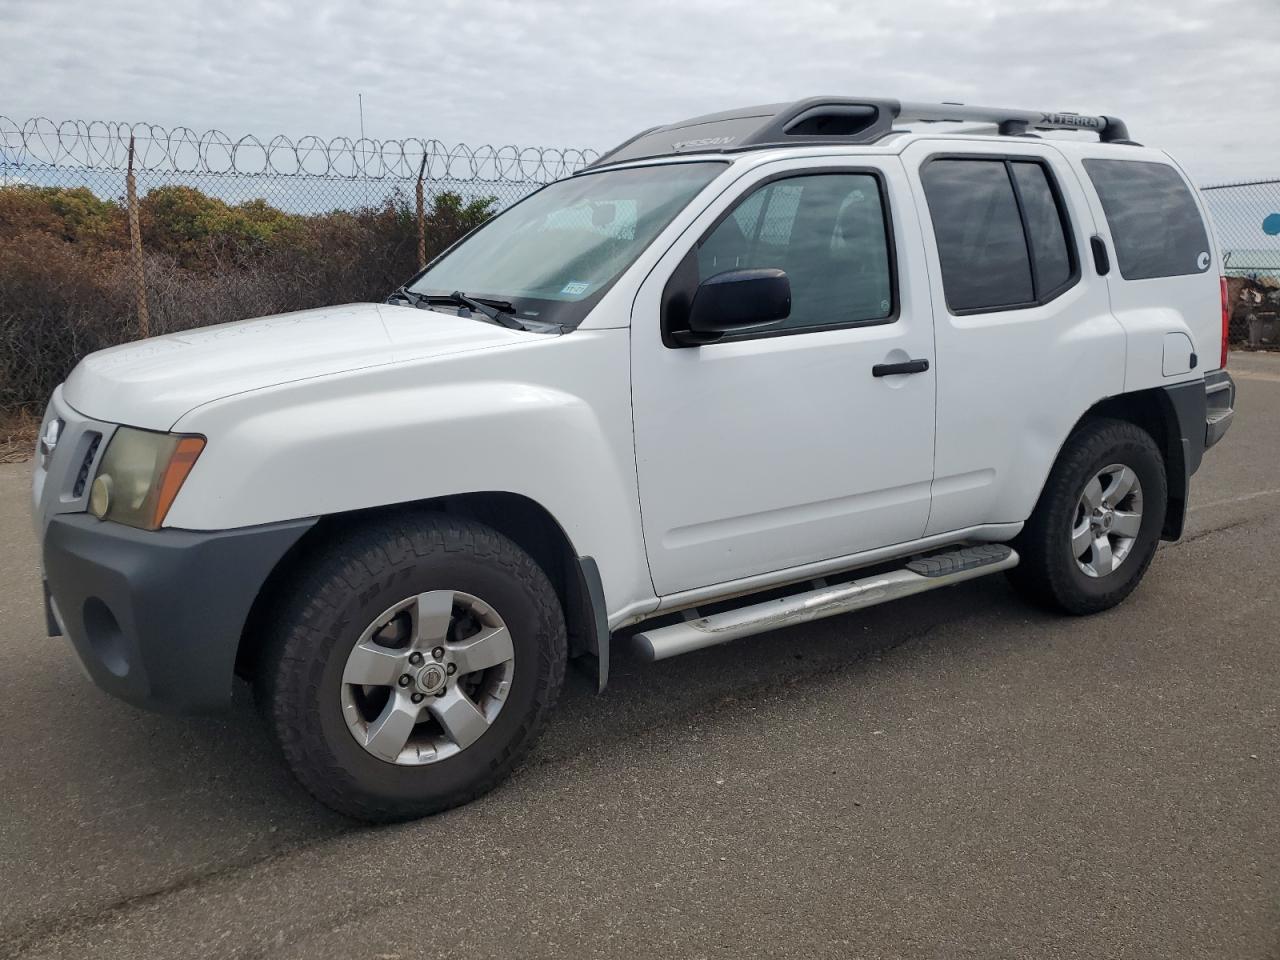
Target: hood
152,383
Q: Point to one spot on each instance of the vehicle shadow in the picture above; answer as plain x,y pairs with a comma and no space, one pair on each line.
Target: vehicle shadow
794,661
154,803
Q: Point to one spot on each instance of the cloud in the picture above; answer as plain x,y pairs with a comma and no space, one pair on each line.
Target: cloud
1197,78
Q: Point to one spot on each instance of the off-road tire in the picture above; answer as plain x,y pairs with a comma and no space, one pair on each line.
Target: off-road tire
357,575
1048,573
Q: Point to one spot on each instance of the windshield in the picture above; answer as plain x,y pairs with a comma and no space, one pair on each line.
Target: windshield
554,254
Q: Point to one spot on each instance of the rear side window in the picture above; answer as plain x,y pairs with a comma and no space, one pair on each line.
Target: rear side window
1003,237
1155,224
1050,255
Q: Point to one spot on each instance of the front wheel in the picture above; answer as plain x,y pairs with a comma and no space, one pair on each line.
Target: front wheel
1097,524
413,666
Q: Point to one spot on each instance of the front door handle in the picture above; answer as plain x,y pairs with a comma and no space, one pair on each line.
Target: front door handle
908,366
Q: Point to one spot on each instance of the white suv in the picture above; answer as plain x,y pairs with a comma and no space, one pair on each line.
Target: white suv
793,348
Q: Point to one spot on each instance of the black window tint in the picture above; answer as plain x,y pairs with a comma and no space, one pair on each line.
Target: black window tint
1154,222
982,248
827,232
1049,246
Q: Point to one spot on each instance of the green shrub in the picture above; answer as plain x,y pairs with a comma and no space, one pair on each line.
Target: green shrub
75,215
66,274
191,226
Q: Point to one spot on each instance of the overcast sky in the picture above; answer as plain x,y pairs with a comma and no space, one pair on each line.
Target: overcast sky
1198,78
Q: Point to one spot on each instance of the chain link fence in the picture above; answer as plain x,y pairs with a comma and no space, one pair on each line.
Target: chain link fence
1246,217
112,231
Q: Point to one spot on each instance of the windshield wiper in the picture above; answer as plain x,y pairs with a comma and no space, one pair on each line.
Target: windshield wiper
501,312
498,311
407,295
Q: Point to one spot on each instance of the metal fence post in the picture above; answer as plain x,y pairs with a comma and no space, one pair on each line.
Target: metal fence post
135,243
422,217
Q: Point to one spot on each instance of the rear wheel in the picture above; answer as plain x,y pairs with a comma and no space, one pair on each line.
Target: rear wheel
413,667
1097,524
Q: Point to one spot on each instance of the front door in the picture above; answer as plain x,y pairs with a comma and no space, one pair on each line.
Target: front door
773,449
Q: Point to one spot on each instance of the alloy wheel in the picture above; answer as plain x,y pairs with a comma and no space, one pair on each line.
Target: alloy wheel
1108,518
427,678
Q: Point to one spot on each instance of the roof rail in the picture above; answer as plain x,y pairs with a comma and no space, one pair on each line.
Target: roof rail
1014,122
837,120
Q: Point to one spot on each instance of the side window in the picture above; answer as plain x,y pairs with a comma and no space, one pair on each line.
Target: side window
1050,252
1003,237
827,231
1154,221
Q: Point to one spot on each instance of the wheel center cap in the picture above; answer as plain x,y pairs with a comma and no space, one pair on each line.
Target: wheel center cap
431,678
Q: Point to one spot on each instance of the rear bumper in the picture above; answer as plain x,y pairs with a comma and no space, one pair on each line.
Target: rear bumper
1220,406
1202,411
1199,414
156,616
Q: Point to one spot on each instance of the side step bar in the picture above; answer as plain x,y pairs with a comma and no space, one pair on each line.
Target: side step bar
924,573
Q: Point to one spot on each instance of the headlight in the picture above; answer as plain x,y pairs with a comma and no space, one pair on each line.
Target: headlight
140,475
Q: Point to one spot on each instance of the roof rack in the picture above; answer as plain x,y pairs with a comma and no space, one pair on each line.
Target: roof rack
838,120
1015,122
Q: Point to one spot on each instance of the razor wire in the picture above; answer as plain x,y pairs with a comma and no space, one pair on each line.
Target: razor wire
103,145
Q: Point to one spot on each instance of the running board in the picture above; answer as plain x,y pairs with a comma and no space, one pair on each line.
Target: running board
923,573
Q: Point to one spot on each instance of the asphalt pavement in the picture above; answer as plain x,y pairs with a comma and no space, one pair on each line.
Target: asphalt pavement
953,775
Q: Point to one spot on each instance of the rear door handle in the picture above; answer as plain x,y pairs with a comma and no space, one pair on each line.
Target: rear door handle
908,366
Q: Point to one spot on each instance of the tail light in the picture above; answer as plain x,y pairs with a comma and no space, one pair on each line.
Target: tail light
1226,322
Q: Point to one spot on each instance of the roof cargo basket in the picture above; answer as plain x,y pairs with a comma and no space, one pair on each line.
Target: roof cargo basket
838,120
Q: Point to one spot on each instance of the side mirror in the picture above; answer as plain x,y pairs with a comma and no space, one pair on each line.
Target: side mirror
737,301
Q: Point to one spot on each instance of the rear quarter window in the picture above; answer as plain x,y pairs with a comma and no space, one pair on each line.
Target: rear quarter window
1155,224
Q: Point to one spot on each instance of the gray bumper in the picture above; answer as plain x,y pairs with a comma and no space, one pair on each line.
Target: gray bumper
156,616
1220,406
1198,414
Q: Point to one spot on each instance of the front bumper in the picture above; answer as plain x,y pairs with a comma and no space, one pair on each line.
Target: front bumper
156,616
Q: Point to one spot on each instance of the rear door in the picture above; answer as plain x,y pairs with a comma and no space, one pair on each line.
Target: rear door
770,450
1026,341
